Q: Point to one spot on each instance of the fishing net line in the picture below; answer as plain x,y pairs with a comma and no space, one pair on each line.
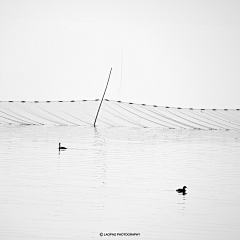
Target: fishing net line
116,113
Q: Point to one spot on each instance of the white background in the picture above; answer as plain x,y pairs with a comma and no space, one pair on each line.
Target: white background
168,53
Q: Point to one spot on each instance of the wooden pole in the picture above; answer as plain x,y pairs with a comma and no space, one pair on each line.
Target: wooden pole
102,98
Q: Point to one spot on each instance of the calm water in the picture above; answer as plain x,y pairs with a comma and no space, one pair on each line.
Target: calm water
118,180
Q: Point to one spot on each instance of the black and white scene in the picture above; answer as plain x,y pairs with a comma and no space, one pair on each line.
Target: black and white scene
119,119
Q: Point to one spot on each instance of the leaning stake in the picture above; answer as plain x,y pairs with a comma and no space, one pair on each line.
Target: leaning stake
102,98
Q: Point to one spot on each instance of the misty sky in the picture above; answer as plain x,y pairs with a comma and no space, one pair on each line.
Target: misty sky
168,53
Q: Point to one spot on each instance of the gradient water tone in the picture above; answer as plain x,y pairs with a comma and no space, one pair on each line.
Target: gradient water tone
118,180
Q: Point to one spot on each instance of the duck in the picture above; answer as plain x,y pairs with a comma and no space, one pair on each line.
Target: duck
61,148
182,190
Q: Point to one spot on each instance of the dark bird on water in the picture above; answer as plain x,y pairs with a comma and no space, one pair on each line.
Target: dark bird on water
61,148
182,190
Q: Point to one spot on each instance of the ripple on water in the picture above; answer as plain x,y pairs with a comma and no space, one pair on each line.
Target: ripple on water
118,180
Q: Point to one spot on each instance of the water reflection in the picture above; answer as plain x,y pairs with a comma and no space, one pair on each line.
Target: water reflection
100,157
118,180
183,201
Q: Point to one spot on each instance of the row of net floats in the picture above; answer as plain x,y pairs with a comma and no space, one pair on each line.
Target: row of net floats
202,109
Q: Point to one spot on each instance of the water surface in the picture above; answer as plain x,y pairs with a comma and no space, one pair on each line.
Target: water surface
118,180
